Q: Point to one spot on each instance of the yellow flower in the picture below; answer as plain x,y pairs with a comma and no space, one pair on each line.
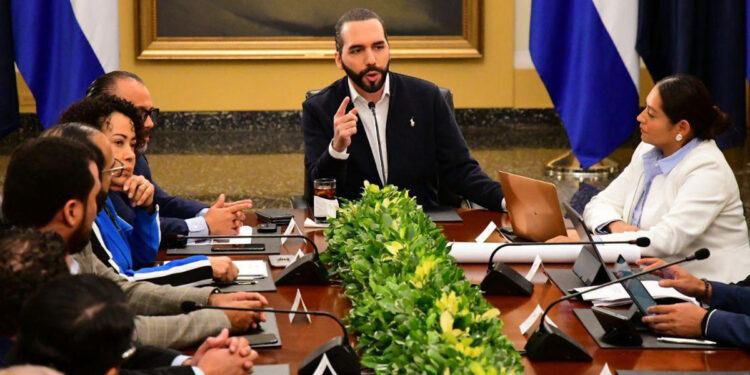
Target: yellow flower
488,315
446,325
372,188
467,350
446,321
394,247
477,369
423,271
448,302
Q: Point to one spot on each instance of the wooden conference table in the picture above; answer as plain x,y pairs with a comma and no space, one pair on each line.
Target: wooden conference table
300,338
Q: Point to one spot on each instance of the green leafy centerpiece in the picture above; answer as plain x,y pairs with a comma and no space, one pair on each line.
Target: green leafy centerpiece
412,308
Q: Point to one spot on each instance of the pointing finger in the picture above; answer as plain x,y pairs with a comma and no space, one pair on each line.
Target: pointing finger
342,107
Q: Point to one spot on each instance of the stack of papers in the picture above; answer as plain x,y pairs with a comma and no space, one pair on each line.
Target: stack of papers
251,269
309,223
615,295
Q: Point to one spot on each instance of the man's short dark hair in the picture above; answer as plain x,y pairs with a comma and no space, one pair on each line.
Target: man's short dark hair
105,83
356,14
43,174
94,111
81,133
76,324
28,259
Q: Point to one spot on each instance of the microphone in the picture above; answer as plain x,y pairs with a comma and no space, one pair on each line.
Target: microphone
504,280
377,135
307,270
549,343
340,354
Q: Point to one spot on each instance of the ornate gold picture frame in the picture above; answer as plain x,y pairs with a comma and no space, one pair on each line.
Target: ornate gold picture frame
176,45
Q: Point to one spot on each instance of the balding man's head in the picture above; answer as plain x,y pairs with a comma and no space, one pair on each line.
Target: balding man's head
128,86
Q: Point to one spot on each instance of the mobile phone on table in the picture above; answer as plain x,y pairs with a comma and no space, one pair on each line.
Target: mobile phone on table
262,339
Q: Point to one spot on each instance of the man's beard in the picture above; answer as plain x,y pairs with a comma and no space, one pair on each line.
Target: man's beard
359,78
101,200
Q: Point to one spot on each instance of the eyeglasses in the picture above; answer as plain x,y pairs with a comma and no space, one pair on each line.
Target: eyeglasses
153,112
116,170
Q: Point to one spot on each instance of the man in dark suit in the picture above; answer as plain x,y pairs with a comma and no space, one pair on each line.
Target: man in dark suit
177,215
385,127
725,319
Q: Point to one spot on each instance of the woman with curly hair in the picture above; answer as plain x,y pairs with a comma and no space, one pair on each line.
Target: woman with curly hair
131,249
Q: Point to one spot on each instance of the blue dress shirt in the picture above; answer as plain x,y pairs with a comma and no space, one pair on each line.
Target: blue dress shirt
654,164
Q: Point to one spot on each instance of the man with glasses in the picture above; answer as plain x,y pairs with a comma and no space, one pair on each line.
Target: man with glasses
177,215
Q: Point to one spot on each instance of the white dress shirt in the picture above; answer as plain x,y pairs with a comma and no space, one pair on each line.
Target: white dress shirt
365,115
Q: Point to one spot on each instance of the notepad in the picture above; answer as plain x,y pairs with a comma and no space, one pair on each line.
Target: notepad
251,269
615,295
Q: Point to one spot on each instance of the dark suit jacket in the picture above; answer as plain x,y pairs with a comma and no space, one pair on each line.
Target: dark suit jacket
730,323
172,210
418,155
153,360
147,359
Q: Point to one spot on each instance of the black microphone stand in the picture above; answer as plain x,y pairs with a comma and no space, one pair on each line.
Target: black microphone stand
339,352
307,270
550,343
504,280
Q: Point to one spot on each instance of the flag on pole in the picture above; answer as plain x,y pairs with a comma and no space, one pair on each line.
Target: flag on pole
584,52
61,46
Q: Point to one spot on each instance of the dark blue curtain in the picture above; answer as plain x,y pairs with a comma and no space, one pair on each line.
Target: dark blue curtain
704,38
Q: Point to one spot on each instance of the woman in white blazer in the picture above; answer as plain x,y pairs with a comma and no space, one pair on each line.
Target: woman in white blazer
678,189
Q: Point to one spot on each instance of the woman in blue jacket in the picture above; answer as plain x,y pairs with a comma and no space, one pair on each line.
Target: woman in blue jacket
131,249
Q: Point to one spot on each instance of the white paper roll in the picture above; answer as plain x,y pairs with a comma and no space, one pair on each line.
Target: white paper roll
472,252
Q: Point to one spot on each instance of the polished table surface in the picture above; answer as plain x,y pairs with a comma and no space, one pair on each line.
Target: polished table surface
299,338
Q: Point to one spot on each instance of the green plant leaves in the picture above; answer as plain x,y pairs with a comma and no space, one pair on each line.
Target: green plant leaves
412,308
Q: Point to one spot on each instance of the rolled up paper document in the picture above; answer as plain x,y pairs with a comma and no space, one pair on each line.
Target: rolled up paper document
472,252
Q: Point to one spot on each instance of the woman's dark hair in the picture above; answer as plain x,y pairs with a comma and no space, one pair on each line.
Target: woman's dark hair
43,174
685,97
76,324
28,259
95,111
79,132
105,83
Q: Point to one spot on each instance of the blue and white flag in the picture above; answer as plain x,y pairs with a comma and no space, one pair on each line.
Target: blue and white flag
584,51
61,46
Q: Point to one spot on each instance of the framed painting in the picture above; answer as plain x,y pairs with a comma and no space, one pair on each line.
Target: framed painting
300,29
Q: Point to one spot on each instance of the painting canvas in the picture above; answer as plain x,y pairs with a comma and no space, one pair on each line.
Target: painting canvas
216,29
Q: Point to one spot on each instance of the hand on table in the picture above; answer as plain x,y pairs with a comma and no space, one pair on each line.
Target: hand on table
224,269
676,277
680,319
236,345
241,320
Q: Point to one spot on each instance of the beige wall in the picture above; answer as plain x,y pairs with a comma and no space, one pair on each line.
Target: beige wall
488,82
